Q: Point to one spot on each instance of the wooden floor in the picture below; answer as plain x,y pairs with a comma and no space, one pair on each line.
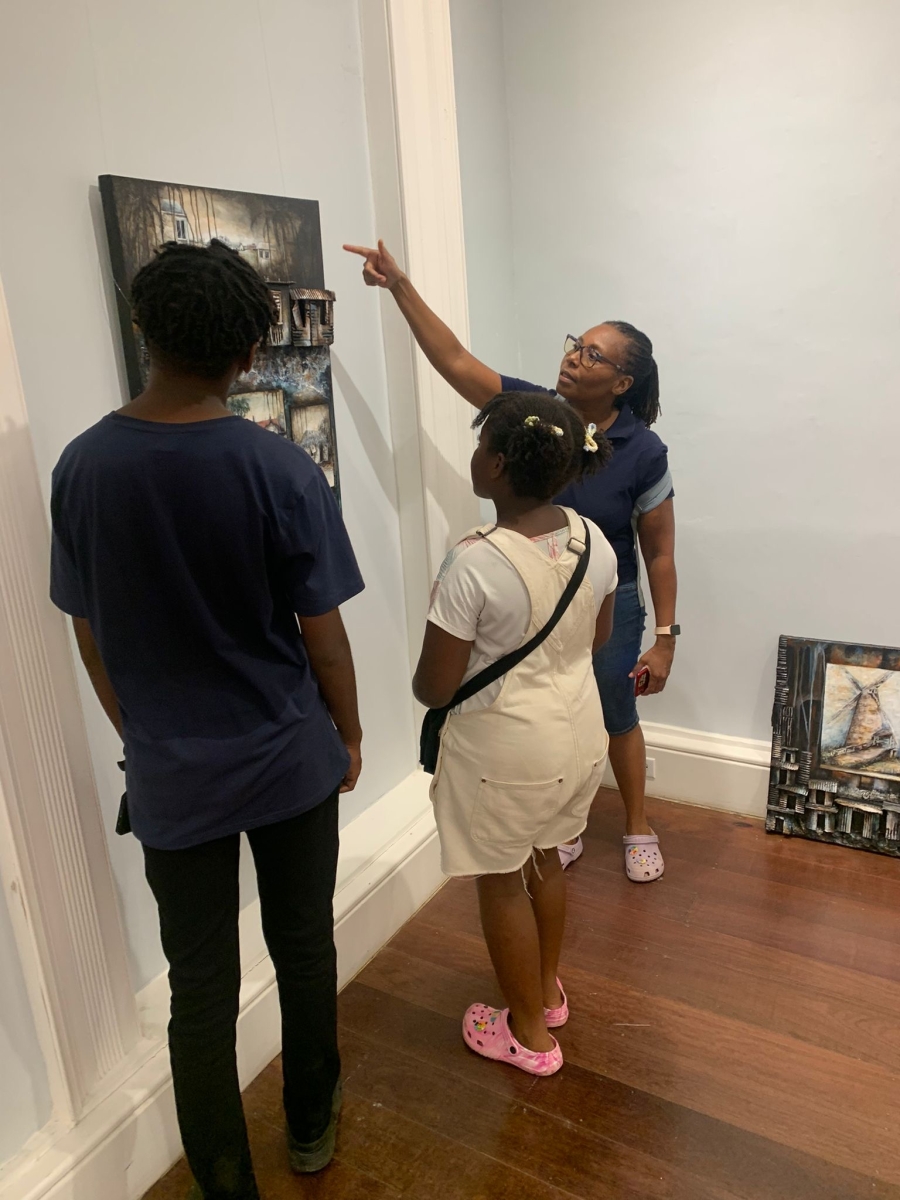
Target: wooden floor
735,1032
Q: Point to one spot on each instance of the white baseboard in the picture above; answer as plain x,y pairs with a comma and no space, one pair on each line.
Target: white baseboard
389,866
708,769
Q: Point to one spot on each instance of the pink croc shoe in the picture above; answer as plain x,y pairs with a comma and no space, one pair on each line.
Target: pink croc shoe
486,1031
570,854
643,860
557,1017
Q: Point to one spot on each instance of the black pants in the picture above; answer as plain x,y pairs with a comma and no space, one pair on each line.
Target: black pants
197,894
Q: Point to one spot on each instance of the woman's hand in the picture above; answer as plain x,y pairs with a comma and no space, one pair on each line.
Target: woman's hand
380,268
659,659
473,380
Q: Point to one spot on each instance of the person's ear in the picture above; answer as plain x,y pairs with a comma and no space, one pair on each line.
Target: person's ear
623,384
498,465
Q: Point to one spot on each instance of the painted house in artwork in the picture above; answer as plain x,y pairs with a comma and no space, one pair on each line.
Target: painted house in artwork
177,227
257,254
176,223
280,329
312,317
304,316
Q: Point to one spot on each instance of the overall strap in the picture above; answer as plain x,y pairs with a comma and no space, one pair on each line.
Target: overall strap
579,538
505,664
534,565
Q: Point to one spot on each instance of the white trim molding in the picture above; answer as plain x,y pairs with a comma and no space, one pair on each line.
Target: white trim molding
53,853
712,770
389,867
411,110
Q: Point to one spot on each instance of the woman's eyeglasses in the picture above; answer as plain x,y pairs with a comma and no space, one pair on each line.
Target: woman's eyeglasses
589,356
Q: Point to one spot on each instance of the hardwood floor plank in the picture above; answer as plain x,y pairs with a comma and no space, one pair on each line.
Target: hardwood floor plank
724,1156
545,1148
419,1161
810,1001
793,932
775,902
342,1181
393,1149
756,1079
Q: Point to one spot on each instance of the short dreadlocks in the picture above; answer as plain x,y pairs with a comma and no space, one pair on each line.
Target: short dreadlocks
202,307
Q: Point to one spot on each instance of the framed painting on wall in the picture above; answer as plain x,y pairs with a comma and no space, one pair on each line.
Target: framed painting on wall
289,389
835,772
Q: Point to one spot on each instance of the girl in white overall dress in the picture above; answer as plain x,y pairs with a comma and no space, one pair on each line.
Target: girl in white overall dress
521,761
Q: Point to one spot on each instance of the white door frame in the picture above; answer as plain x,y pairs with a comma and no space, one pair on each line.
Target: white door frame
411,107
53,852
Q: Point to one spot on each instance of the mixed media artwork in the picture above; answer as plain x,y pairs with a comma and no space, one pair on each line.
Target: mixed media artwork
835,773
289,389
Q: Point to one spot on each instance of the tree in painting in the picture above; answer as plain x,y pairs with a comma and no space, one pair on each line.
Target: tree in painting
239,405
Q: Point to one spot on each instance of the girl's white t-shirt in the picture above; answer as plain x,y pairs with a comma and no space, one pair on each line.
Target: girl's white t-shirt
480,597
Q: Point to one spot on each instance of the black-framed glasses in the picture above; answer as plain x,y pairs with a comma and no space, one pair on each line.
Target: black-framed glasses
589,356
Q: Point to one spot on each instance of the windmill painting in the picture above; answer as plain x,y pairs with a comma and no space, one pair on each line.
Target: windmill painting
835,770
861,720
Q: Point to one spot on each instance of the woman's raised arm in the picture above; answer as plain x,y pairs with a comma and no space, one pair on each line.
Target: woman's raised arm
473,380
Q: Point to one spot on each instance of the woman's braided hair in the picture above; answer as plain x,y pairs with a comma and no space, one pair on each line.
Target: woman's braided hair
643,395
203,307
542,440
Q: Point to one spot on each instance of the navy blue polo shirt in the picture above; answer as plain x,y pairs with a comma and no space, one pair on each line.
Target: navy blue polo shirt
636,480
189,549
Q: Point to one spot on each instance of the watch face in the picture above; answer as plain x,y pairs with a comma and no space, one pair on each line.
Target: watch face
674,630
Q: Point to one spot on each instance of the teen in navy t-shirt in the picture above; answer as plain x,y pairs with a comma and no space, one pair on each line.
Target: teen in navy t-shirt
610,376
189,548
203,560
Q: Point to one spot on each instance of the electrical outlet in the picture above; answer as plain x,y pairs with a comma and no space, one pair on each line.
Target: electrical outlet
651,768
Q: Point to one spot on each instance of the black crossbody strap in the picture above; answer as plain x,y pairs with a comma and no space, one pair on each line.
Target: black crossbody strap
505,664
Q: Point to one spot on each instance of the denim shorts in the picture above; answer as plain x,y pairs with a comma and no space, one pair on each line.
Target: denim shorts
614,661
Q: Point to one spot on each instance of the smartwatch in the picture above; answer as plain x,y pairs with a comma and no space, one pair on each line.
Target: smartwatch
668,630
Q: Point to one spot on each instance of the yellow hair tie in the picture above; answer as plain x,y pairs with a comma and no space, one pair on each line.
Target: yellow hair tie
554,429
590,443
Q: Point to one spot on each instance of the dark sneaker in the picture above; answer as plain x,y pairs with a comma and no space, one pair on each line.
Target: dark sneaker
309,1157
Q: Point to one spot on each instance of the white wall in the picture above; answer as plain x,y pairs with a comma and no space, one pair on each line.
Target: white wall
483,124
726,177
263,97
24,1092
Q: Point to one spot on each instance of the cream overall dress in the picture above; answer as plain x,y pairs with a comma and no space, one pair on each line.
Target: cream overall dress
522,773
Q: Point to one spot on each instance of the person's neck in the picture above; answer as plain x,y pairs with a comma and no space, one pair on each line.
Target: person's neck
176,398
603,414
526,515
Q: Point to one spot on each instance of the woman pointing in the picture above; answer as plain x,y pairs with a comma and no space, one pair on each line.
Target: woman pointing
609,375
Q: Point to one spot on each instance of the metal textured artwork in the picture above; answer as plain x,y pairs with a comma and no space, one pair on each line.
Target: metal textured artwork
835,771
288,390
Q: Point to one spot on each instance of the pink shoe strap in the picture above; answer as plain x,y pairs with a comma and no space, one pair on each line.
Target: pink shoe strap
641,839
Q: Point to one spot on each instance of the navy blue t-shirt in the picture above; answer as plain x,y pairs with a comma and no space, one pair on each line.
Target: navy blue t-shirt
189,549
635,480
